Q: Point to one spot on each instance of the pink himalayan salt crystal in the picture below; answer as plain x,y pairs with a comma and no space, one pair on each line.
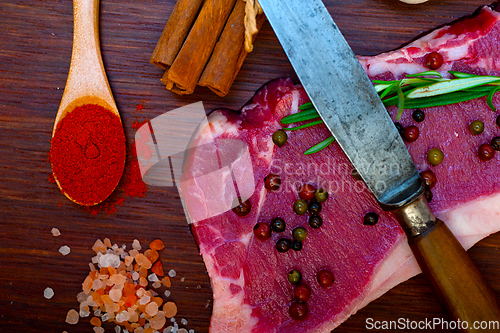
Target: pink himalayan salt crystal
107,242
143,261
151,309
118,279
64,250
55,232
136,245
48,293
99,246
158,321
98,329
72,317
115,294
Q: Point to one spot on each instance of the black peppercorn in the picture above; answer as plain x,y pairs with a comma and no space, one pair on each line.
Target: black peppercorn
283,245
418,115
314,208
278,224
370,219
315,221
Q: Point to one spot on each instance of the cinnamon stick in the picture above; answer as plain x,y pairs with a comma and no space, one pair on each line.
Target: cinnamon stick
182,77
177,28
229,53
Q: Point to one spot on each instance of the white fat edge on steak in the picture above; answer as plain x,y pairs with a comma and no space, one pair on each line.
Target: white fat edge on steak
386,62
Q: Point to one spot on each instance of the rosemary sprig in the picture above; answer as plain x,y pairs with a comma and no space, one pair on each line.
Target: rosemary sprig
420,90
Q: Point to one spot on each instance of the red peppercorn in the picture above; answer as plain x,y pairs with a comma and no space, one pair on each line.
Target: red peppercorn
325,278
486,152
411,133
272,182
298,310
434,60
262,231
243,209
429,178
306,192
302,292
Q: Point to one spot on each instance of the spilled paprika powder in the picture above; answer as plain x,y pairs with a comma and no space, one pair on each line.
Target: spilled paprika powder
88,153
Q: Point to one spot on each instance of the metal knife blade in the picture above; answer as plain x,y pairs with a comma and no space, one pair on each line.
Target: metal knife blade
345,98
347,102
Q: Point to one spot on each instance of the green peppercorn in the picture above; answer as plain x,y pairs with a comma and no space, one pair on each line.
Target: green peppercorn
314,208
283,245
299,233
476,127
296,245
280,138
294,276
278,224
300,206
370,219
315,221
321,195
435,156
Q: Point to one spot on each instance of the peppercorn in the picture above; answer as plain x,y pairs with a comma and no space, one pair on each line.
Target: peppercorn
280,137
302,292
400,128
278,224
418,115
298,310
355,174
498,120
411,133
294,276
429,178
476,127
306,192
486,152
434,60
314,208
435,156
296,245
325,278
299,233
283,245
272,182
321,195
315,221
243,209
370,219
262,231
300,206
495,143
428,194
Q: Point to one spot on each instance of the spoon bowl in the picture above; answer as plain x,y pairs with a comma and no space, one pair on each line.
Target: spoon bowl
87,84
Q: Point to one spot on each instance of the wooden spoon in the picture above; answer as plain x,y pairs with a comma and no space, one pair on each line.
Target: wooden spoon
87,81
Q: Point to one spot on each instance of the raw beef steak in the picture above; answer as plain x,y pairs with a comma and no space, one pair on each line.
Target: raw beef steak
249,276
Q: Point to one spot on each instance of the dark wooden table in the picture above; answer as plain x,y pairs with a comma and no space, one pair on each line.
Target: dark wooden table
35,52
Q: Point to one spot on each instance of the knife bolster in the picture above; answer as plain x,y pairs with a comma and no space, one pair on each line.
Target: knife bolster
416,217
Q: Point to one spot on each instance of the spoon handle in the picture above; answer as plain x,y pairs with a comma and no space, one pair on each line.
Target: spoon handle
87,81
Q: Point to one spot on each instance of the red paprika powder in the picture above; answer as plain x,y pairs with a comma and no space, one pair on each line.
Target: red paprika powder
88,153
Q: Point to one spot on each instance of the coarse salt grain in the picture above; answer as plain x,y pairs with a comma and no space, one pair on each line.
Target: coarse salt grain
64,250
167,293
136,245
48,293
182,330
98,330
172,273
191,331
118,329
72,317
55,232
108,259
184,321
153,277
156,284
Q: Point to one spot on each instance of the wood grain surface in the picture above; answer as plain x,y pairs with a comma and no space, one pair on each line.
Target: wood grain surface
35,51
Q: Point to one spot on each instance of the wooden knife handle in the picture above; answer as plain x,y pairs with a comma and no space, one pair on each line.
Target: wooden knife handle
462,291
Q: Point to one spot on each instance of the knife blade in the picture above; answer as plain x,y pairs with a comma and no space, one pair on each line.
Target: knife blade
350,107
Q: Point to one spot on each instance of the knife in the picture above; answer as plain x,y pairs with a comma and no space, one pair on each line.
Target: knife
350,107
